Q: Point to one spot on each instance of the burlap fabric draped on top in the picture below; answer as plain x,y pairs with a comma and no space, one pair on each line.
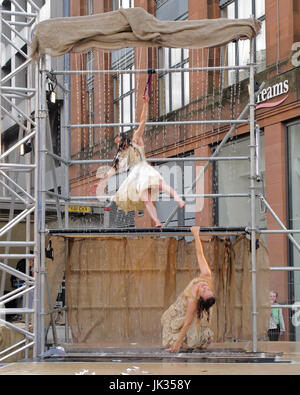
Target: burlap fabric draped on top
135,27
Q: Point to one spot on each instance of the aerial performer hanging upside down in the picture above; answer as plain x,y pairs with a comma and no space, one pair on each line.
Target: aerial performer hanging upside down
183,323
143,184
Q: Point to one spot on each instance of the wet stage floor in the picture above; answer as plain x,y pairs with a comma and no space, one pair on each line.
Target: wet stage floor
273,358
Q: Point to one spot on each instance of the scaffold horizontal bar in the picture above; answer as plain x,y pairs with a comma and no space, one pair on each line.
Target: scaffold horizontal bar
17,243
191,196
26,14
23,310
17,166
154,160
49,203
146,71
165,123
19,96
16,256
19,170
285,268
286,306
214,195
17,89
280,231
16,23
170,231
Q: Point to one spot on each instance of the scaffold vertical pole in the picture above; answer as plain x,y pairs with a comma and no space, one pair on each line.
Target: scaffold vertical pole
65,149
40,210
253,193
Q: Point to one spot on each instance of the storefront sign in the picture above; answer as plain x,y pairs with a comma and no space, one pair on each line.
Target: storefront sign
275,90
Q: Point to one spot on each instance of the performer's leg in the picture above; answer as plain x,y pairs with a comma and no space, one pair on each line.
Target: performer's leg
146,196
172,193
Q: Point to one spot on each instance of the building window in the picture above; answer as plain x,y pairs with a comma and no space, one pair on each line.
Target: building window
237,54
180,176
123,83
123,88
232,176
122,4
90,83
293,137
89,7
90,97
173,86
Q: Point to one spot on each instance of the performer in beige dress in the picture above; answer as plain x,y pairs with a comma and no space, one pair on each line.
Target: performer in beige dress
183,324
143,184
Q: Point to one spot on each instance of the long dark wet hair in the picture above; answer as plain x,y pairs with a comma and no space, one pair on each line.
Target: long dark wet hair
124,143
205,305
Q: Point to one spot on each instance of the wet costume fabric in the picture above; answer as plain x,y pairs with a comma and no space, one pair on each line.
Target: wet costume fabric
141,177
198,334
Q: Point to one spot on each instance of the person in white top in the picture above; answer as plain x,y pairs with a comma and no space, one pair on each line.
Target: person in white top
276,325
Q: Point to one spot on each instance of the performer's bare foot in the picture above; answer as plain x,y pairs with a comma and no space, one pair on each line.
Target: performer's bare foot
158,224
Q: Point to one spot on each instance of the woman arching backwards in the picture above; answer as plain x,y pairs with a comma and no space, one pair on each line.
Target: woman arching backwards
183,323
143,184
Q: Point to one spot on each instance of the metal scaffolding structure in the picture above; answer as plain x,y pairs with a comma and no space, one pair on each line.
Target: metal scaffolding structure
15,30
34,197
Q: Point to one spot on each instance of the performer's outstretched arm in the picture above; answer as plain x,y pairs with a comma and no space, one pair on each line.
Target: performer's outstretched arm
202,262
138,134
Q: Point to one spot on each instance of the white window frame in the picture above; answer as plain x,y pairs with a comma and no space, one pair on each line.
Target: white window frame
234,76
168,81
